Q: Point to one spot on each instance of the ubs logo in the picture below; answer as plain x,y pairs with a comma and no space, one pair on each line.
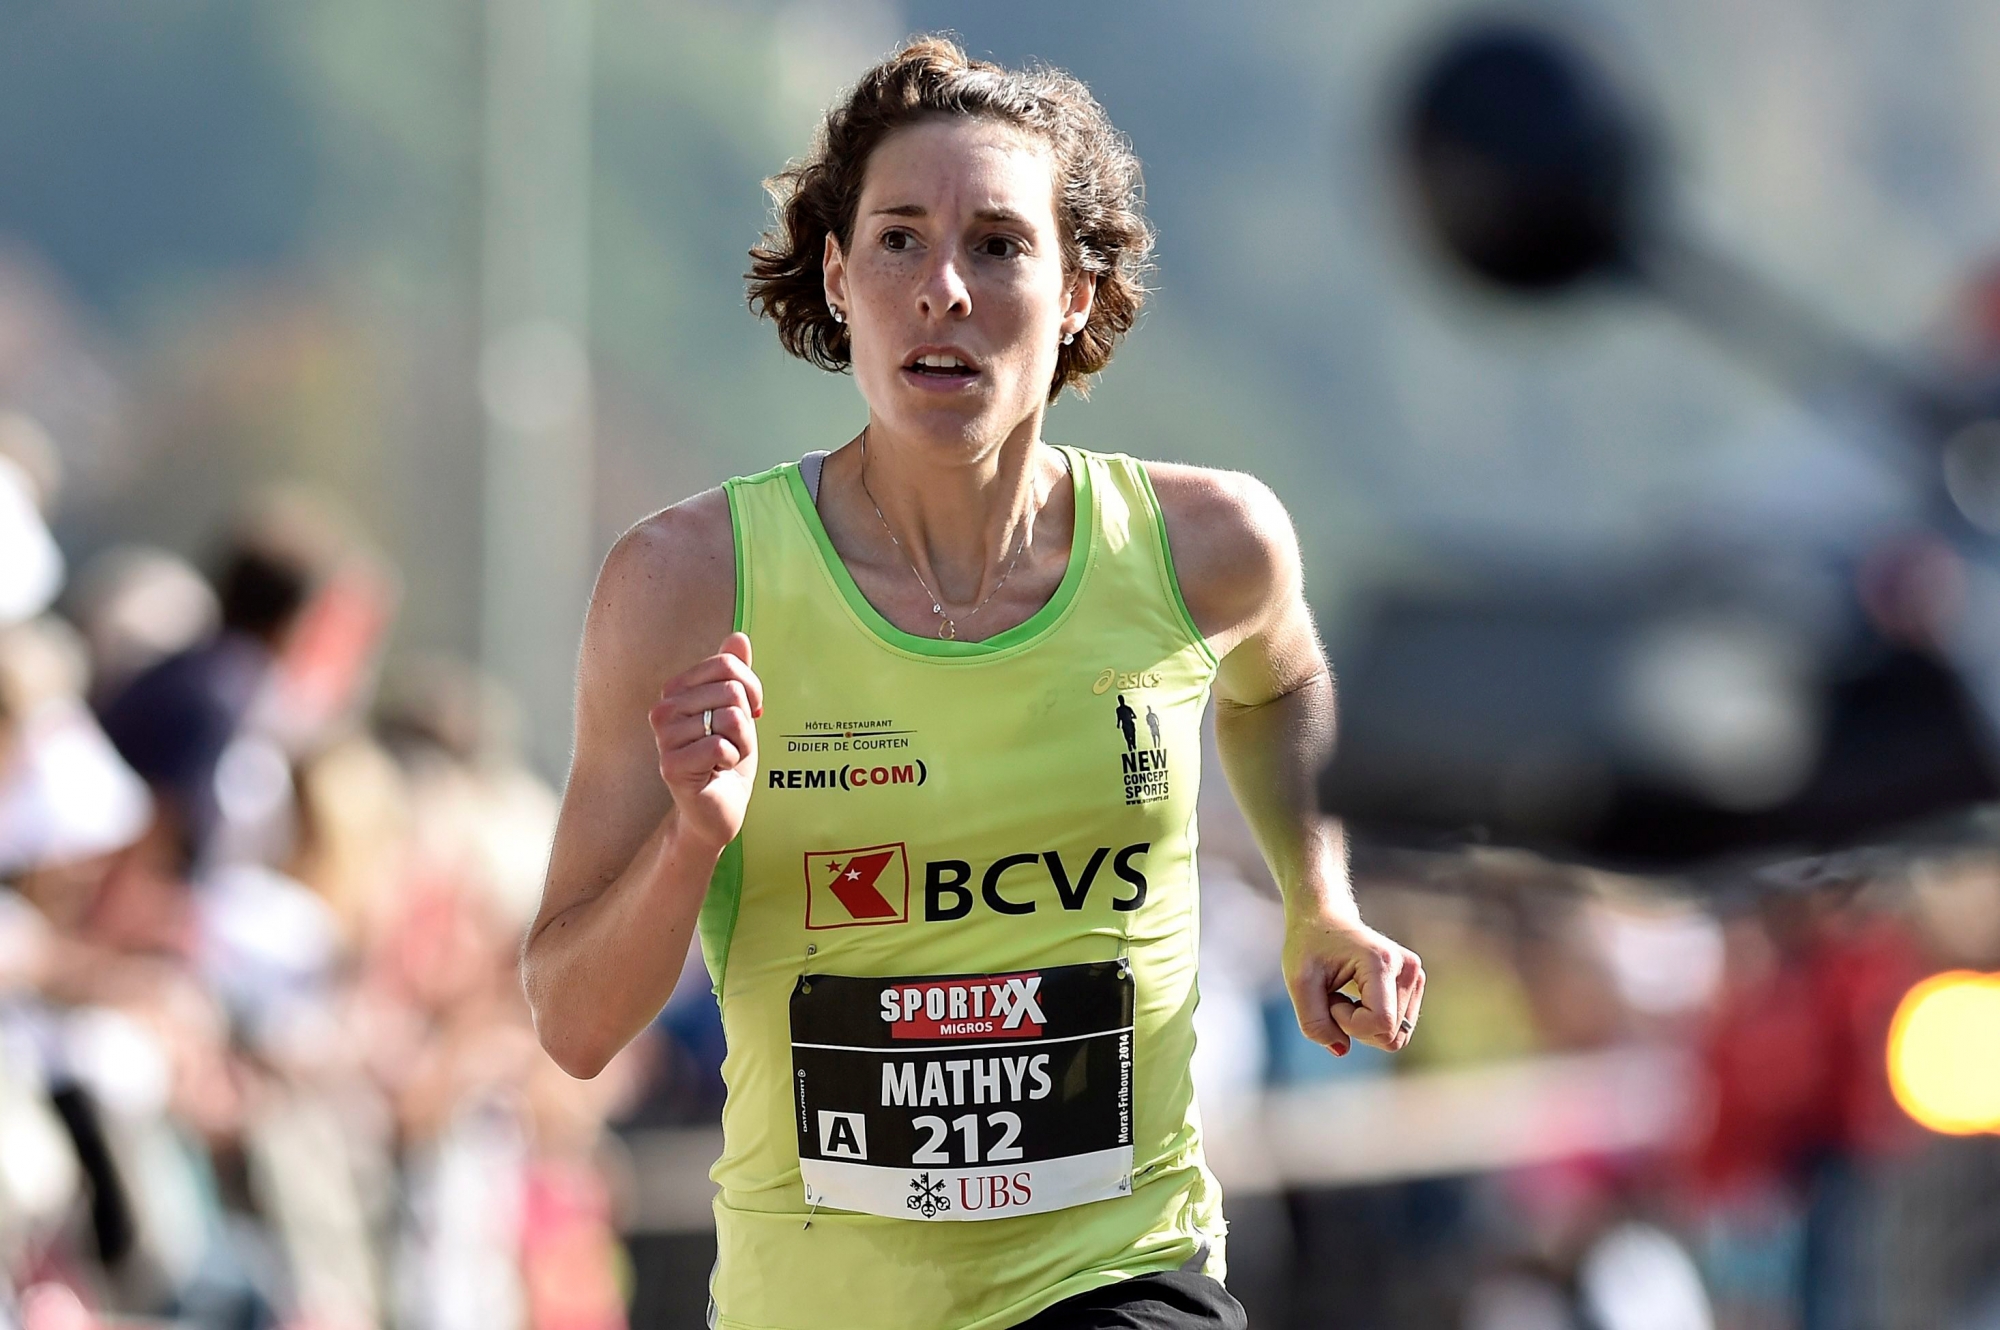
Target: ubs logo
1108,678
928,1198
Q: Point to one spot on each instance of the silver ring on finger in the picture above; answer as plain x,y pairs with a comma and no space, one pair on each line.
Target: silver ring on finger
707,723
1407,1026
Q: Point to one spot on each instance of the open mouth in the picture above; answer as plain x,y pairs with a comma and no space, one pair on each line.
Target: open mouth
945,367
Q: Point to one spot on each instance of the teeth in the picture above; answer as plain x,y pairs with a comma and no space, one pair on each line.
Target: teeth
940,362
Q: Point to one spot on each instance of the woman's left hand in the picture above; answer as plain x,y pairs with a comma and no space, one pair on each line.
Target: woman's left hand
1328,950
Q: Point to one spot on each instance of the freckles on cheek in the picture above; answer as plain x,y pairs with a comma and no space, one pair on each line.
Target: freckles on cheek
889,272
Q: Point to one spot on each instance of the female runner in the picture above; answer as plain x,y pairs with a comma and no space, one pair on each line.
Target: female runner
937,832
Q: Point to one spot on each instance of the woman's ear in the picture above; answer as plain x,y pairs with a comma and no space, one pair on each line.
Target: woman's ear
833,265
1081,296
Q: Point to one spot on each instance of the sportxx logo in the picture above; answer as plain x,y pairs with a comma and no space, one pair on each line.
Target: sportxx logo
1005,1006
1108,678
856,888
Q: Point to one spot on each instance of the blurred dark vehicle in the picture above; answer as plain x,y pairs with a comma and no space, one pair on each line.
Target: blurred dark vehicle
1755,694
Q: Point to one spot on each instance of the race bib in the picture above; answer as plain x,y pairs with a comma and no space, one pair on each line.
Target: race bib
966,1096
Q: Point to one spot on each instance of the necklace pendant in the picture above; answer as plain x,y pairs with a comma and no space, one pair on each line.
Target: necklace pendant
948,630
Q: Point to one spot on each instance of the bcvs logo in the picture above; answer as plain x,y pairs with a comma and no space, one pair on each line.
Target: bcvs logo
870,885
1014,883
858,888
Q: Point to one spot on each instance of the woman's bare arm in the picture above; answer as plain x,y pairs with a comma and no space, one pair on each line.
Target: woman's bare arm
651,801
1238,563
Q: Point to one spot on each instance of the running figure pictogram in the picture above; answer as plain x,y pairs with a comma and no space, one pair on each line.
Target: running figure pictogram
1128,721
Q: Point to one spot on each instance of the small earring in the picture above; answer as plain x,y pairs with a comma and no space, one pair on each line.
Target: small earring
1068,338
838,317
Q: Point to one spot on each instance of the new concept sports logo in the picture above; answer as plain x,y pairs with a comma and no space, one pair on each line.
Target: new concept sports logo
1145,765
857,888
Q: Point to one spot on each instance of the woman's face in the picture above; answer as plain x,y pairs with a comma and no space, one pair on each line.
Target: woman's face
953,285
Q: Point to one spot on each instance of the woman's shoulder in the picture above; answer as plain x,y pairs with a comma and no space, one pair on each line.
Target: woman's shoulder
669,582
1222,517
691,539
1234,550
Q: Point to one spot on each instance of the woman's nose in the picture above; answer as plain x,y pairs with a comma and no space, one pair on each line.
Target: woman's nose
944,292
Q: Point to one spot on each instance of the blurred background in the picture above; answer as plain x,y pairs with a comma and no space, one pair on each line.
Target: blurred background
337,342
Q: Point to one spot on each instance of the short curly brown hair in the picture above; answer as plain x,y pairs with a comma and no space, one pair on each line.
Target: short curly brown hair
1098,199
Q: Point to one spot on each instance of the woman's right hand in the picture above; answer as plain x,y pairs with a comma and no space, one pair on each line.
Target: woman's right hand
711,774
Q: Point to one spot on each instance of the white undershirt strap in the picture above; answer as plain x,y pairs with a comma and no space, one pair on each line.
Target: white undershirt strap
809,469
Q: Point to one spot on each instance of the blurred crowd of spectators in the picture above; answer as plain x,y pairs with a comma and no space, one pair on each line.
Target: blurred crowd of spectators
264,1058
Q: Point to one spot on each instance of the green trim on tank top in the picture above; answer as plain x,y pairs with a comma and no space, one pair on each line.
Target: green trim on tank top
1166,563
715,923
1083,545
740,616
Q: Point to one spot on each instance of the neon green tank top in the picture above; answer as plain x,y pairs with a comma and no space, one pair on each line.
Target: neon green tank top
955,942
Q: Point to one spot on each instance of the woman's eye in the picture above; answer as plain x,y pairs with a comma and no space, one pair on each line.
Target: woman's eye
1001,247
896,240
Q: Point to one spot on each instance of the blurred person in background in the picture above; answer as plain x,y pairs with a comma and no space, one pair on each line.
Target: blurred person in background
1797,1113
1936,1238
181,722
509,1219
948,587
135,606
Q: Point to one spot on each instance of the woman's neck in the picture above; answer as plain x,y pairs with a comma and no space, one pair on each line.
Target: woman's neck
974,529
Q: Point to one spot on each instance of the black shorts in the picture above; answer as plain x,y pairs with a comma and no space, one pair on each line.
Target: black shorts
1178,1300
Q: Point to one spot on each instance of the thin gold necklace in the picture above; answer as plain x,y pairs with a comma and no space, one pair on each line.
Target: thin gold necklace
946,628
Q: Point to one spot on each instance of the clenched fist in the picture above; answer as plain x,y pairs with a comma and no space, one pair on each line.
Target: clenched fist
1330,950
705,726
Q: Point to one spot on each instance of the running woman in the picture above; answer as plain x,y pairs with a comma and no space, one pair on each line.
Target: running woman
947,899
